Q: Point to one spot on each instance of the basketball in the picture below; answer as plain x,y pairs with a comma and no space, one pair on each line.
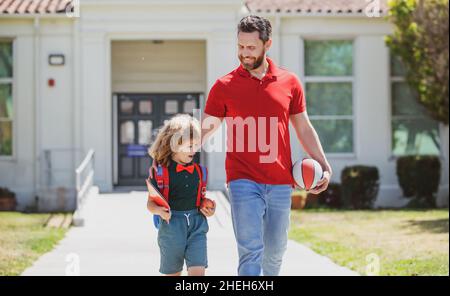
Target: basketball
307,172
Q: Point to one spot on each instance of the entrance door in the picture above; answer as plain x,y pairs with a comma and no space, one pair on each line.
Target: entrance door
138,120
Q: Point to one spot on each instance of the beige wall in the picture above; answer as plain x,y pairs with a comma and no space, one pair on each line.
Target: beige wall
42,117
169,66
17,172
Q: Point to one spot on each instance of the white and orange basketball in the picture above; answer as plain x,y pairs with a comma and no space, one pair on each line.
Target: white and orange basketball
307,173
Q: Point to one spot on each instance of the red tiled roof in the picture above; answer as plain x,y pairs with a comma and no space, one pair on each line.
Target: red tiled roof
255,6
325,7
33,6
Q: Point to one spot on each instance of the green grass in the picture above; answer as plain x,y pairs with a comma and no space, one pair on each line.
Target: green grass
23,238
406,242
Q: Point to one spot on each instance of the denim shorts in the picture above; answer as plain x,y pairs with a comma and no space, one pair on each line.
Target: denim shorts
183,239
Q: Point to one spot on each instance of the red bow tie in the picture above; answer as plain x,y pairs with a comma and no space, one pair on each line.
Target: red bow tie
189,168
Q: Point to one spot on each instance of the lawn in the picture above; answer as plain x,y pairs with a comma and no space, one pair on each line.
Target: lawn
23,238
404,242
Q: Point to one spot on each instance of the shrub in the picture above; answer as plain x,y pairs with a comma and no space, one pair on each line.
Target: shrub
7,200
330,198
419,178
359,186
312,201
6,193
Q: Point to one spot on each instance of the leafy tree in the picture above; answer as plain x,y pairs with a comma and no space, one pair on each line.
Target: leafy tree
421,40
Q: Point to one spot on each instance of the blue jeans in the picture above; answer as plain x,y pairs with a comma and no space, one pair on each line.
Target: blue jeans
261,215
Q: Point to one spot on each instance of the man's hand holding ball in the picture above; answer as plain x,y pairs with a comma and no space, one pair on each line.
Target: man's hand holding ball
308,175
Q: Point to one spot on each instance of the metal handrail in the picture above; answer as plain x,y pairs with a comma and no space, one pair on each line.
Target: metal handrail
83,187
63,166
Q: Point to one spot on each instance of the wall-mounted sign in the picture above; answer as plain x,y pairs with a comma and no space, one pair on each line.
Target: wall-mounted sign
56,60
137,150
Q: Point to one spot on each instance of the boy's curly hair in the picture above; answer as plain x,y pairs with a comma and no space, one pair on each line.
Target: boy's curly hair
171,136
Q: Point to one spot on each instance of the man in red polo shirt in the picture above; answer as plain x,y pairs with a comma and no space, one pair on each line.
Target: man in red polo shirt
258,100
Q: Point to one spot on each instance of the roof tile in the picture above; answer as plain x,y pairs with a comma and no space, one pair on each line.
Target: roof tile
312,6
33,6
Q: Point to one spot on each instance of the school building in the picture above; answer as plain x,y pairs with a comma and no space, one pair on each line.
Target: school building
105,74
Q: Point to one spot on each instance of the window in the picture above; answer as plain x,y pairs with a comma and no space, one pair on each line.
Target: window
6,102
329,89
413,131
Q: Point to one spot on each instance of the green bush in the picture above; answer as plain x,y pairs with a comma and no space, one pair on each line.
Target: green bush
419,178
6,193
359,186
8,200
313,201
332,196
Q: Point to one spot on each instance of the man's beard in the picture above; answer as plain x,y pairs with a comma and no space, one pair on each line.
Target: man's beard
257,64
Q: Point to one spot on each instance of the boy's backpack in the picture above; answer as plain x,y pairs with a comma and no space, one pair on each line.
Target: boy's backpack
162,179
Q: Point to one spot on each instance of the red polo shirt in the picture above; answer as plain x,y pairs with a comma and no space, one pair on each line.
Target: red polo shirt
239,96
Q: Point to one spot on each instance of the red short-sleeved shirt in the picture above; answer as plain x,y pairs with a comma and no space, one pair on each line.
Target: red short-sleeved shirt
241,97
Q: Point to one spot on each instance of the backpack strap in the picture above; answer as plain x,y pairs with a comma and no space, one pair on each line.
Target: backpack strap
203,176
162,179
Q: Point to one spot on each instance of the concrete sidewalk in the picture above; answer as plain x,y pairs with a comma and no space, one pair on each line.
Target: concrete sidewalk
119,239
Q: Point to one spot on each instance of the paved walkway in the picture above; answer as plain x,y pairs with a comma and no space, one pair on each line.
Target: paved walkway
119,239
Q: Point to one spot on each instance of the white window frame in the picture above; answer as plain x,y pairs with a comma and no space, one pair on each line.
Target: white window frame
334,79
11,80
401,79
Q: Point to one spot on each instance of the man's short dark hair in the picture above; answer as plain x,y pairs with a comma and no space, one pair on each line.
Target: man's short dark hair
253,23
